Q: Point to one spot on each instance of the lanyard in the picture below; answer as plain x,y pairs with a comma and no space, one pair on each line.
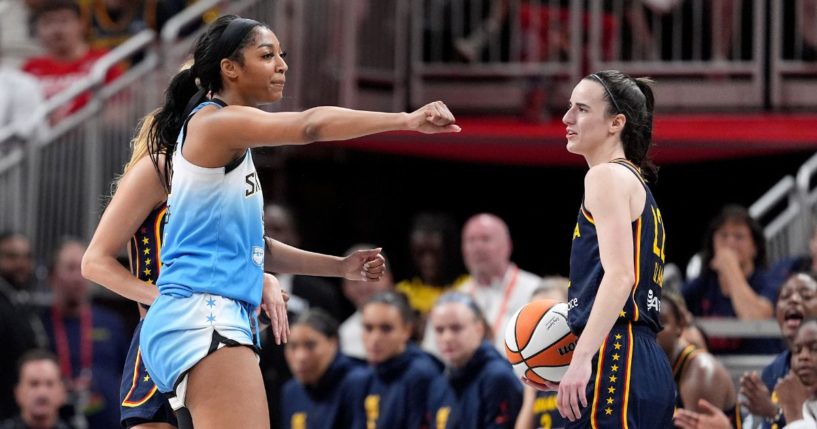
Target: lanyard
85,341
505,297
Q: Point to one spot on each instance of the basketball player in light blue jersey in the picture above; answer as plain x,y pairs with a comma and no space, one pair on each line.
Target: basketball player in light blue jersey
136,218
214,250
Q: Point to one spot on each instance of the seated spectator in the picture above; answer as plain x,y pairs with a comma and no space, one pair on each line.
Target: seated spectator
315,398
16,261
39,393
499,286
697,374
20,328
358,292
21,97
479,389
539,408
435,261
90,341
797,391
734,281
68,57
392,392
797,301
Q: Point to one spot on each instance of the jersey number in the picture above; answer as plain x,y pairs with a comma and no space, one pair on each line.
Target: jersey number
660,235
252,184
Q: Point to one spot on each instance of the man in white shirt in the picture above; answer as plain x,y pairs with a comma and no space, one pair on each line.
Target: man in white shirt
498,285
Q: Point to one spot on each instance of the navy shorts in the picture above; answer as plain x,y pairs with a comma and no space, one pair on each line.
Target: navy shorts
631,385
139,399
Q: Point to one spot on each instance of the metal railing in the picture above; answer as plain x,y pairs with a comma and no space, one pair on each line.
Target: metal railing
51,183
692,48
779,210
457,43
793,58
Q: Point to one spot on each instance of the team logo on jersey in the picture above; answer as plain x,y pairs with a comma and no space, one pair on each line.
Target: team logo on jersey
258,255
253,185
653,302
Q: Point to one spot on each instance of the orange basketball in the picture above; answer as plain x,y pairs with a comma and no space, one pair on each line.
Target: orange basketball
538,341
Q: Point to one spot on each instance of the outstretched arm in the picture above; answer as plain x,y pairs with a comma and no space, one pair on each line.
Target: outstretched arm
139,192
607,197
241,127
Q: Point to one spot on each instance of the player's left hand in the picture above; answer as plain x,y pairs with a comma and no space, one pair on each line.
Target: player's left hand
364,265
572,389
433,118
547,387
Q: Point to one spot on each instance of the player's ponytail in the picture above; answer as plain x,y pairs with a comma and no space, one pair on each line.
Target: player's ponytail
634,99
642,134
168,121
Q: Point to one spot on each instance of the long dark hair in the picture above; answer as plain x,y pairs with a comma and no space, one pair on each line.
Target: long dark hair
634,99
225,38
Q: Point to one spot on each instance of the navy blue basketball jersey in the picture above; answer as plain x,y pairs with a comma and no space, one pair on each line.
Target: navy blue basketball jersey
644,303
146,246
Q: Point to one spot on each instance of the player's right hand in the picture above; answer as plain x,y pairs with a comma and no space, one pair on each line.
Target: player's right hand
433,118
274,303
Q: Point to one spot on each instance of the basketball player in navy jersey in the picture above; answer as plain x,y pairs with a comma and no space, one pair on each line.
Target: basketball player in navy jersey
616,263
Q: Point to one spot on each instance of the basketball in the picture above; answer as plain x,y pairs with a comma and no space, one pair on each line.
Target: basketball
538,341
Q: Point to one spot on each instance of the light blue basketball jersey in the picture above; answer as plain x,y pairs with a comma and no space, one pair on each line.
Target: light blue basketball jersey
214,240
